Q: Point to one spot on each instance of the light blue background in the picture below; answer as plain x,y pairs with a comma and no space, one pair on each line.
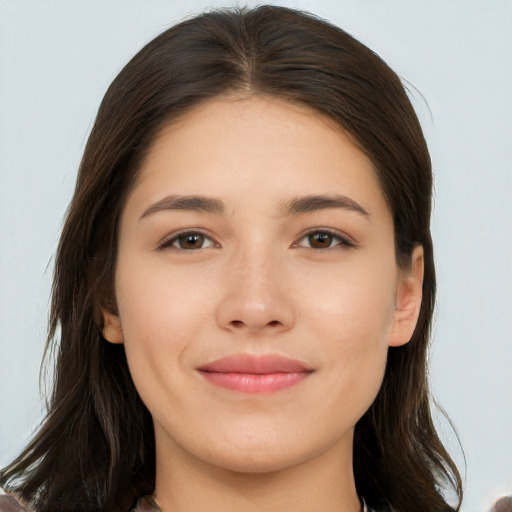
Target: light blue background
56,61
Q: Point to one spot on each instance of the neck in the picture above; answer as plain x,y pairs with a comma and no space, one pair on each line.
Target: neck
324,482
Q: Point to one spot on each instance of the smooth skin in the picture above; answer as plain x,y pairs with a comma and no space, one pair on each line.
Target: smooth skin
223,250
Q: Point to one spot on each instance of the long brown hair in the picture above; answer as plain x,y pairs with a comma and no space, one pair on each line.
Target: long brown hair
95,449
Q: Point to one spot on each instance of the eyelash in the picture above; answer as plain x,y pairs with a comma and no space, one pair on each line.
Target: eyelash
342,242
168,243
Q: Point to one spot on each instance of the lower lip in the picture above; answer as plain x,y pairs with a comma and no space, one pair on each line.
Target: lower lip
255,383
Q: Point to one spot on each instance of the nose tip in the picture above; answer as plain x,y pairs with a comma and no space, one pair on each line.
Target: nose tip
258,303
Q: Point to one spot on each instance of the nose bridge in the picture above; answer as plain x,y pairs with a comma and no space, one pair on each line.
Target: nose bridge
256,297
256,271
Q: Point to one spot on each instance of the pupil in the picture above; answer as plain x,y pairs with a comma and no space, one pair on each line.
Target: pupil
191,241
320,240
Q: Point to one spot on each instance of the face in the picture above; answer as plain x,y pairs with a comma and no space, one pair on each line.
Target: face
257,286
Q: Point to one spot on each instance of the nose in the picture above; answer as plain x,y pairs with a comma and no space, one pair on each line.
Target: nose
257,297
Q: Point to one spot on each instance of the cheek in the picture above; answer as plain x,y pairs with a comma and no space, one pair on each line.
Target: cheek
162,313
158,302
356,304
357,342
353,324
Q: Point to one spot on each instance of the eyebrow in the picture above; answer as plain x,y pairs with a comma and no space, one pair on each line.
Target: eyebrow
192,203
313,203
294,206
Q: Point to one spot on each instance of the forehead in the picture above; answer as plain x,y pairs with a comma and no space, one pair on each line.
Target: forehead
257,147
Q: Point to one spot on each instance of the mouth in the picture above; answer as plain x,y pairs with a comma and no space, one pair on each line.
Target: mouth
251,374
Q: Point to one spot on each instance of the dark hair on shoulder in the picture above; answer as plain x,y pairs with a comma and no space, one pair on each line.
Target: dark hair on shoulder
95,449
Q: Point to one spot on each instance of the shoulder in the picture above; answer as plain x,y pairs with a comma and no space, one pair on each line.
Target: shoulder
144,504
10,504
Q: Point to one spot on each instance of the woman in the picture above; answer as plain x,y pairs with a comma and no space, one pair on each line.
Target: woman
244,285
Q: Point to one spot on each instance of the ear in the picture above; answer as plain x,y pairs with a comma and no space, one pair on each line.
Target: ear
408,300
112,330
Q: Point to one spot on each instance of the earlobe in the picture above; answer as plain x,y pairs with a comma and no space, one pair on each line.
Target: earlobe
112,330
408,300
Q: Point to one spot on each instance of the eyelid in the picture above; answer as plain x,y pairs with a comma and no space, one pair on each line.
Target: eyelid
344,240
167,241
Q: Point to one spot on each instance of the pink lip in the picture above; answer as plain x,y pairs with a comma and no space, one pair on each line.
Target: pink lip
252,374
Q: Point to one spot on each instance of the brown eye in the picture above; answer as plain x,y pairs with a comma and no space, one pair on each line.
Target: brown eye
193,241
323,240
189,242
320,240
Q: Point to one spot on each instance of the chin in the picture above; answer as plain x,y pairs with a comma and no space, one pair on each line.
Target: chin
257,462
253,454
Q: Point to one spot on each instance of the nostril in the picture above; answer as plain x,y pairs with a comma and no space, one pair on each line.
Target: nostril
239,323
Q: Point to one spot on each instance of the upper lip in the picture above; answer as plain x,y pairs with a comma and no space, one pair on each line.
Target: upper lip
258,365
